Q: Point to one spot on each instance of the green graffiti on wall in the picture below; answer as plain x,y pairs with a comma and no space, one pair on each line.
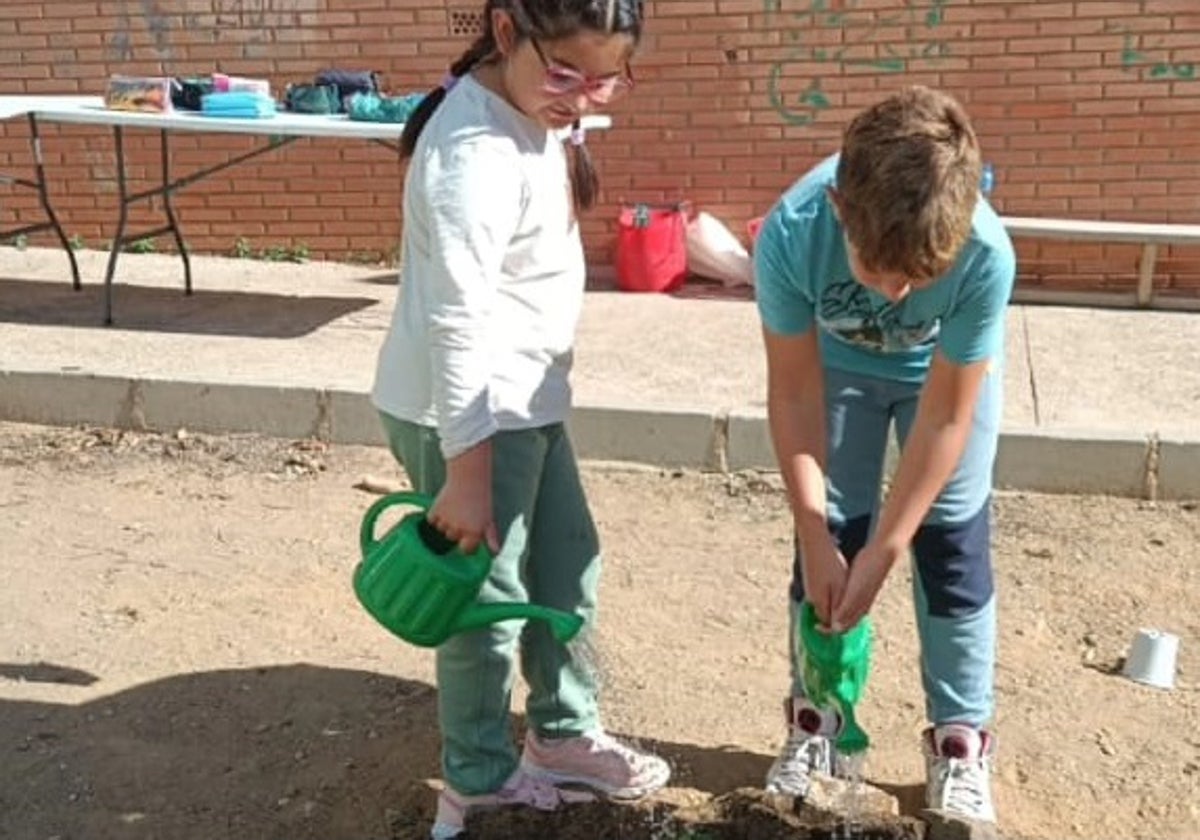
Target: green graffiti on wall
859,28
1133,59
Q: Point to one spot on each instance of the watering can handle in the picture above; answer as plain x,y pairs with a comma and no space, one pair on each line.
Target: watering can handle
367,536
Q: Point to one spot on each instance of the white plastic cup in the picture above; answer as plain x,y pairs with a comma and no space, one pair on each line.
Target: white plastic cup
1151,659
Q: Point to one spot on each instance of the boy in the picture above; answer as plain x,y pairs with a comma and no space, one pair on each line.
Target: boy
882,279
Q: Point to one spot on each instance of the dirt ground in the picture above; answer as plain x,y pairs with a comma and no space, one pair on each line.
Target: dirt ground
181,654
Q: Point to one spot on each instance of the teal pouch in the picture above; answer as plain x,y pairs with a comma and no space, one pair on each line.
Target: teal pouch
312,99
371,107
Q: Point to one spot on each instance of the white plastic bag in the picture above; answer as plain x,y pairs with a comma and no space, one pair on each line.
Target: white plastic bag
715,253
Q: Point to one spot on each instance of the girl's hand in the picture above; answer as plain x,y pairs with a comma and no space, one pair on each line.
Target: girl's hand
462,510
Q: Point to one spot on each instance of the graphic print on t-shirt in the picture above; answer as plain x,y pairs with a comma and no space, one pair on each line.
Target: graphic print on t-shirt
847,312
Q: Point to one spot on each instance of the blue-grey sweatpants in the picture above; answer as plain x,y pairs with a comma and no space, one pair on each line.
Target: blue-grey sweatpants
953,590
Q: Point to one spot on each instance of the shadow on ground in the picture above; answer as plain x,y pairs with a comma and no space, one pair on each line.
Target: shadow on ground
299,751
169,310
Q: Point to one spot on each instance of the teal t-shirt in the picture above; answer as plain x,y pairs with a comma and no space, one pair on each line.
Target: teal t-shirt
802,278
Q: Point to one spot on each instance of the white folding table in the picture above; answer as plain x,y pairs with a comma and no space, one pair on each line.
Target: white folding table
278,130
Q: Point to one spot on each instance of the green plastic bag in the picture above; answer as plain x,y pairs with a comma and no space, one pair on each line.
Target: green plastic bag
835,668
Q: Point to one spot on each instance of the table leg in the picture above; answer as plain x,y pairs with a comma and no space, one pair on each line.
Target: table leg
43,198
172,221
118,240
47,207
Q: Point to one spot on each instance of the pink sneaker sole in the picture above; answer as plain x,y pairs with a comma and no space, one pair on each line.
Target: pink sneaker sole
597,761
620,794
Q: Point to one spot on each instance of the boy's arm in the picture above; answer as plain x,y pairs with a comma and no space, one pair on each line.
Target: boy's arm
939,435
795,382
796,416
935,445
796,397
971,338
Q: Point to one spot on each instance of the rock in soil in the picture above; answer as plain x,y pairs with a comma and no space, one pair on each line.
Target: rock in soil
838,796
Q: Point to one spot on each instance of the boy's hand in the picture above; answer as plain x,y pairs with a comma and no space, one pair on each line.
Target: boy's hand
825,575
462,510
870,570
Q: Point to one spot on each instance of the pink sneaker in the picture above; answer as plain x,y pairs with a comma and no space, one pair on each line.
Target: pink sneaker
596,760
520,789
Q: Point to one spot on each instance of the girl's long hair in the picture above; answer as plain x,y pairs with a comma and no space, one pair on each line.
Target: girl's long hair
545,20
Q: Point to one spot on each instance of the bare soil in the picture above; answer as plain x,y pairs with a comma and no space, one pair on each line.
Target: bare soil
181,655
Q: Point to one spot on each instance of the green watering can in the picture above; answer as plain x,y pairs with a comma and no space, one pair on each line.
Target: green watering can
420,586
835,667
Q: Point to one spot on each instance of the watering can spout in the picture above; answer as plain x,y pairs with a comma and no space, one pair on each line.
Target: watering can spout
564,626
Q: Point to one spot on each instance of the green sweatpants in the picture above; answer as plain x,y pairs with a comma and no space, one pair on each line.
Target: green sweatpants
549,555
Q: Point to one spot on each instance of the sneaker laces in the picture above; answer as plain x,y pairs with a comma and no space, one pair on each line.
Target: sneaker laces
964,784
603,742
802,753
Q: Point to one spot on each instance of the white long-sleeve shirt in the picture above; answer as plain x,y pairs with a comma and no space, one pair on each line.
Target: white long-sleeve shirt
491,278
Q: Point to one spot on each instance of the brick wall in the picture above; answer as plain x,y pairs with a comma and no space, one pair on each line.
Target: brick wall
1087,108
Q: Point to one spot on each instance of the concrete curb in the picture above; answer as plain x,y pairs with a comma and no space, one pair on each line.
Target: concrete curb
1031,459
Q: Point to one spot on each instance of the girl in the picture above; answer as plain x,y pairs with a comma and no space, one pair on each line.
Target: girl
472,386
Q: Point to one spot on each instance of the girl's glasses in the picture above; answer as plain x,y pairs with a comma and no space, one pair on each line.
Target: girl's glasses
563,81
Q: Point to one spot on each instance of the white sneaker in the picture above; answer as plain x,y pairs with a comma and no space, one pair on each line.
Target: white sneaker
808,748
958,771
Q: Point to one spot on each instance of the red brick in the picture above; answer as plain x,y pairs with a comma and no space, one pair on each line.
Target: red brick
1064,121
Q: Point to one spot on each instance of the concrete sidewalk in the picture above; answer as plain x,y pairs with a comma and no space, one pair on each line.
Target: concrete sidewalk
1097,400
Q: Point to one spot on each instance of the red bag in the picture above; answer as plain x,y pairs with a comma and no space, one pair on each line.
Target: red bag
651,247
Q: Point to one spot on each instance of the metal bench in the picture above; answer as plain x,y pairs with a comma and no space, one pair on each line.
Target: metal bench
1149,236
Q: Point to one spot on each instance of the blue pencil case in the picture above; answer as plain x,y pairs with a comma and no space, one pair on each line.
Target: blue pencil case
236,103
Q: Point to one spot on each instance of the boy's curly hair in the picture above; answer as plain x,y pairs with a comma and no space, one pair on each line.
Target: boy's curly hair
908,182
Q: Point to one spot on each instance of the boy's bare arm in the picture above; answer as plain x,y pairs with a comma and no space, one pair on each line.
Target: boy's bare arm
934,447
796,413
